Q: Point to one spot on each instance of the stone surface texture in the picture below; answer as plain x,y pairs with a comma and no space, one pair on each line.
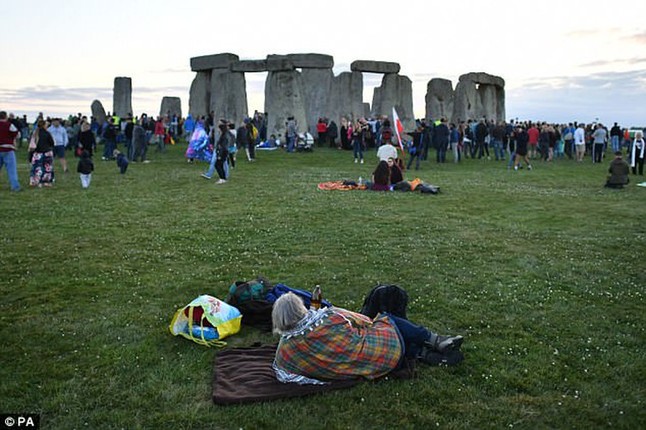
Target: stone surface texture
171,106
439,99
122,97
98,112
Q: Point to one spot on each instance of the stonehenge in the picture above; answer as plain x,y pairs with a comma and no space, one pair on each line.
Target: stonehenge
303,86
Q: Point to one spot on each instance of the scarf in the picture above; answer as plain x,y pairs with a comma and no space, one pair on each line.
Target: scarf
632,153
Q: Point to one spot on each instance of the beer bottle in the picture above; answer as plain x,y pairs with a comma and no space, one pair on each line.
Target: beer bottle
317,297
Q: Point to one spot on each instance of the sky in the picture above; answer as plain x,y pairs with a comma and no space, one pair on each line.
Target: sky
561,60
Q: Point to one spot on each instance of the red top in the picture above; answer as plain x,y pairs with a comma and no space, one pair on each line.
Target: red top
533,135
321,127
8,133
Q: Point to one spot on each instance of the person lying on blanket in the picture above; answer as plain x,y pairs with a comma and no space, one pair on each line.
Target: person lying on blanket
334,343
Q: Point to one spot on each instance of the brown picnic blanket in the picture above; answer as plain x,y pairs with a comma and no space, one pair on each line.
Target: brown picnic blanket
244,375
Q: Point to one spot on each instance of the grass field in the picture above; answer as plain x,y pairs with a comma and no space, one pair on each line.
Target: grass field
542,271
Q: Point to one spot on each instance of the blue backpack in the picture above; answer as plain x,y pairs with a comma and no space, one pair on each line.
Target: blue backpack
280,289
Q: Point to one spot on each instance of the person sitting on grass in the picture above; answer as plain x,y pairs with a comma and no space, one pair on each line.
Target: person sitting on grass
396,174
618,172
334,344
380,177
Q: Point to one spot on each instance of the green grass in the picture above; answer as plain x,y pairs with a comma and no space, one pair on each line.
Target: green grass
542,271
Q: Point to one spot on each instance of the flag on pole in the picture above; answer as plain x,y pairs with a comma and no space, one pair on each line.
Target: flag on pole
399,128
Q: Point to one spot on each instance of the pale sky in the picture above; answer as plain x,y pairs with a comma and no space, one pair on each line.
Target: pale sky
561,60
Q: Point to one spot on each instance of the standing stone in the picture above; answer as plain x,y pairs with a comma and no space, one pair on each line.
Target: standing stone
122,97
98,112
479,95
171,106
346,97
316,91
284,98
200,95
439,99
228,95
395,91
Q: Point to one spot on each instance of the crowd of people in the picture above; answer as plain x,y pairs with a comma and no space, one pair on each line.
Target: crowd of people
217,142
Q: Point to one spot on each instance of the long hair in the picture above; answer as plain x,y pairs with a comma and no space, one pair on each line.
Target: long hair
287,312
382,173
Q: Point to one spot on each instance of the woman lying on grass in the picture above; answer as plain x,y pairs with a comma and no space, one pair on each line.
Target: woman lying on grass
334,343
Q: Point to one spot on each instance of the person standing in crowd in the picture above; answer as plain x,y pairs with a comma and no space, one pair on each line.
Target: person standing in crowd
127,132
160,134
332,134
345,139
233,146
415,149
87,141
139,144
615,137
637,154
321,130
109,138
441,140
454,142
533,134
291,133
8,134
357,142
42,159
543,142
481,133
522,141
189,126
568,140
497,137
599,137
250,135
579,142
85,168
223,139
59,134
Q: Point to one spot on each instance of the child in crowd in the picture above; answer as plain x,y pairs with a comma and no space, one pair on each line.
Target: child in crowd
85,168
122,161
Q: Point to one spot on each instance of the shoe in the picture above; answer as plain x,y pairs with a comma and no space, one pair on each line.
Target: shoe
515,167
362,161
434,358
355,161
146,161
205,176
221,181
529,167
445,343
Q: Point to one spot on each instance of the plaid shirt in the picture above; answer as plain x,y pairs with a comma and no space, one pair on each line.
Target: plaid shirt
340,345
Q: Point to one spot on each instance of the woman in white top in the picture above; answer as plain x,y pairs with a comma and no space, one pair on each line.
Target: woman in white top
637,154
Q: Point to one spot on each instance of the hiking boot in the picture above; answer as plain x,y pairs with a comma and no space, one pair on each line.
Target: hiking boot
444,343
434,358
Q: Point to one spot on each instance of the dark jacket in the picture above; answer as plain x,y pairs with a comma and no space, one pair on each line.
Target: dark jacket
45,141
85,165
618,172
441,136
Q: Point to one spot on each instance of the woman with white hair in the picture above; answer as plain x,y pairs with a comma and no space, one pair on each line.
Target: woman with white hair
334,343
637,153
